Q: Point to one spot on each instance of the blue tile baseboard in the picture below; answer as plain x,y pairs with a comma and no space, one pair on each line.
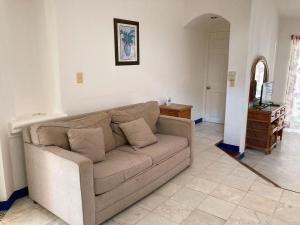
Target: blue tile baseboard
241,156
228,148
231,150
5,205
199,121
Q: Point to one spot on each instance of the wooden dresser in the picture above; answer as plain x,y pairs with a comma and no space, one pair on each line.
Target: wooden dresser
264,126
177,110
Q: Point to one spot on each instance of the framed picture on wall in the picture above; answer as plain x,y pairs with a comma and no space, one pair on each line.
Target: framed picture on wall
127,50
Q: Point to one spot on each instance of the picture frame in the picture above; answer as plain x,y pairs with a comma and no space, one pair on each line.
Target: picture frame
127,47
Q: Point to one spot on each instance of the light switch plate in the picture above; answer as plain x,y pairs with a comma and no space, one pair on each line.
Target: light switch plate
231,78
79,78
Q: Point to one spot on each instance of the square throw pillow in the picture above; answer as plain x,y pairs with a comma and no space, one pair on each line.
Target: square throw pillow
138,133
88,142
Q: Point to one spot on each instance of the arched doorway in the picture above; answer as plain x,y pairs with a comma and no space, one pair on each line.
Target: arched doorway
217,32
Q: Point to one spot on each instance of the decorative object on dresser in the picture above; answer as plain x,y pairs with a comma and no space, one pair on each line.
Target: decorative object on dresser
265,119
177,110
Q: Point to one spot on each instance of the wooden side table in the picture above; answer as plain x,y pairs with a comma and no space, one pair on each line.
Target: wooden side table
177,110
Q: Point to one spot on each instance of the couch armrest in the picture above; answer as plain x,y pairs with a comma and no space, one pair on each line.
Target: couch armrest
176,126
62,182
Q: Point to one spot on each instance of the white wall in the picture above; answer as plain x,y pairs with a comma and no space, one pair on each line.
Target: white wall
7,108
27,81
28,57
171,56
287,27
263,33
262,41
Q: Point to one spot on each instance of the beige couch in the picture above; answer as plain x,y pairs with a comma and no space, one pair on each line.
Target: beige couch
80,192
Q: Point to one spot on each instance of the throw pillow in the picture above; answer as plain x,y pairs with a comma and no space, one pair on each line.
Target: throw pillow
138,133
88,142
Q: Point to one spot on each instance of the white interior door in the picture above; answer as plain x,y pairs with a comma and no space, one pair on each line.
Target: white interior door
216,81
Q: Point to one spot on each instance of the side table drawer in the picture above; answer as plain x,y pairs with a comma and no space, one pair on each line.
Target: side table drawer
185,114
176,110
168,112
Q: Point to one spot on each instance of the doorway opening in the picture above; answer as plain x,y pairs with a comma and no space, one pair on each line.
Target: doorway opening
216,70
216,30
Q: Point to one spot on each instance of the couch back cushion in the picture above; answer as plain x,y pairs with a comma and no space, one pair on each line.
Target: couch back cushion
55,133
149,111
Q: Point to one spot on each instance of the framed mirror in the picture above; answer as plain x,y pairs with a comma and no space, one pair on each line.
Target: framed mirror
259,75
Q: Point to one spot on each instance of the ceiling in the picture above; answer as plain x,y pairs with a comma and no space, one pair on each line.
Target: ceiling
289,8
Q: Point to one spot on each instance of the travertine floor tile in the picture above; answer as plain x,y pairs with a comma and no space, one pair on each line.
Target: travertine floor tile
289,214
173,211
61,222
182,179
263,181
151,201
200,163
131,215
209,155
278,222
216,150
215,174
228,160
263,190
168,189
229,194
290,198
154,219
258,203
198,217
282,165
217,207
110,222
238,182
202,185
19,208
244,173
32,217
247,216
189,197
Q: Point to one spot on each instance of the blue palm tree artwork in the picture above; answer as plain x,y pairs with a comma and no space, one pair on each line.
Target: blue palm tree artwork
127,35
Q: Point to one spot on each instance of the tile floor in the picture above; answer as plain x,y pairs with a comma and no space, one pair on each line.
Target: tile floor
215,190
283,165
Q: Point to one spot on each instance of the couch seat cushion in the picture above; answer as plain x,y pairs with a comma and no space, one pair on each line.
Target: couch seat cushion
166,147
118,167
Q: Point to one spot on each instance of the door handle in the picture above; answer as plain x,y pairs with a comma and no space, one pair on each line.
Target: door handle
208,87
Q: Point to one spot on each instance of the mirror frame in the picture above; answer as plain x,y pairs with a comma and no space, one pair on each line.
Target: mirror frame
252,92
